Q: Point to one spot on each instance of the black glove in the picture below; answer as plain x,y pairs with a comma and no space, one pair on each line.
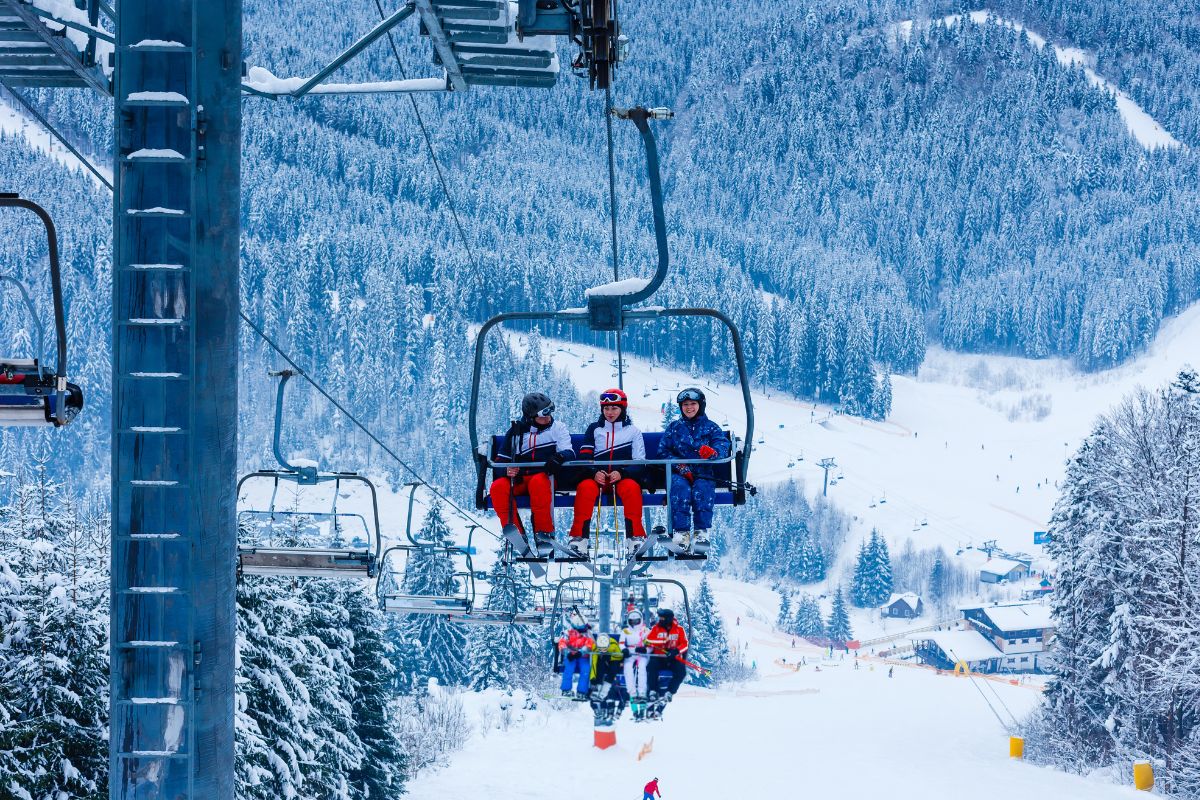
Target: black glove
642,650
672,652
572,655
556,461
624,652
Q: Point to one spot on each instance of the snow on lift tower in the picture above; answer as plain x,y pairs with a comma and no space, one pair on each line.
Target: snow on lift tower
479,43
30,394
609,308
305,542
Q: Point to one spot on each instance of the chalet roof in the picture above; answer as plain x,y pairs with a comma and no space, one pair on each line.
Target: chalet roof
1000,566
1020,617
911,599
969,646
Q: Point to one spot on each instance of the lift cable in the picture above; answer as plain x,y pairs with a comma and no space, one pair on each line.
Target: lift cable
612,216
462,235
304,374
57,135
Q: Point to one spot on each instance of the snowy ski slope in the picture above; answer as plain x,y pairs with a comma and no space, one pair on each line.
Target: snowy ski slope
838,733
962,452
1143,127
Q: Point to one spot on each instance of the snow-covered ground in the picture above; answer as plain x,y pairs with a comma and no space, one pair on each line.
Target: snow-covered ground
973,449
839,732
1143,127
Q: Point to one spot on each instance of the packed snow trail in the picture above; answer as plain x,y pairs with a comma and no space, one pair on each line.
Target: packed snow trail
1143,127
838,733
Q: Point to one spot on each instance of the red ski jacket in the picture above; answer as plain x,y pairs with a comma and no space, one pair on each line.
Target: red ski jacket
661,640
652,788
574,640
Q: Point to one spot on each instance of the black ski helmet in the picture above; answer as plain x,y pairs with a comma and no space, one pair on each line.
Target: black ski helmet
536,404
666,614
692,393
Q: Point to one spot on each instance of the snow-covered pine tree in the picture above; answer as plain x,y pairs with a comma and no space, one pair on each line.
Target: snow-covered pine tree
860,591
327,674
430,572
937,583
838,627
273,708
784,619
53,660
879,587
807,622
382,770
709,643
504,656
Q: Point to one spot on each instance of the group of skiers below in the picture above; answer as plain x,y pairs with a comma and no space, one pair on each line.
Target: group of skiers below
537,437
651,658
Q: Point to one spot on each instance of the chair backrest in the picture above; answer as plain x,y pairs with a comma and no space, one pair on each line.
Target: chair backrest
652,487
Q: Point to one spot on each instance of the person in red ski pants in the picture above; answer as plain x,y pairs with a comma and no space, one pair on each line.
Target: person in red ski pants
611,438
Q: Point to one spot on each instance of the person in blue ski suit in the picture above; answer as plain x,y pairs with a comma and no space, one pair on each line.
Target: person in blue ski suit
693,490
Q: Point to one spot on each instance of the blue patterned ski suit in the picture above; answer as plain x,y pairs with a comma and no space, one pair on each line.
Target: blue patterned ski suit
692,502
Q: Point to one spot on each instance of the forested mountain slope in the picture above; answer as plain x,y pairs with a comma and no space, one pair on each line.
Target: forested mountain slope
842,192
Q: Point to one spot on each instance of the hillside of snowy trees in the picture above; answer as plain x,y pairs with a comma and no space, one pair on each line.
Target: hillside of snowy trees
1126,538
846,194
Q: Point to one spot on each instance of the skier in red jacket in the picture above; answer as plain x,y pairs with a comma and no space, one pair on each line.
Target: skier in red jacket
651,790
668,643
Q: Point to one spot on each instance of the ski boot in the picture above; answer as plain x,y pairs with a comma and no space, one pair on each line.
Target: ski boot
543,542
700,542
579,546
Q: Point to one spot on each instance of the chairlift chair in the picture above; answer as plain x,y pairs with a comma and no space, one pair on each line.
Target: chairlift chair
610,307
30,394
298,556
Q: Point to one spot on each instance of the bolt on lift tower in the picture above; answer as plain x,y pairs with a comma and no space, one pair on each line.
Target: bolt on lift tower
177,101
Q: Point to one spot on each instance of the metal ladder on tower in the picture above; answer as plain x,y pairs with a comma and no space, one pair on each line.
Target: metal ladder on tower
174,379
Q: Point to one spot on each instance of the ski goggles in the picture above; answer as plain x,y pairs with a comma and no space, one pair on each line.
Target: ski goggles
545,412
611,398
689,394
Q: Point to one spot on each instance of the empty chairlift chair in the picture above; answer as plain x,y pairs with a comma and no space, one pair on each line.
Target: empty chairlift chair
289,535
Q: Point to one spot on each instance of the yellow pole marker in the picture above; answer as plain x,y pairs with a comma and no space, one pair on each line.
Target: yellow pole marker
1143,775
1016,747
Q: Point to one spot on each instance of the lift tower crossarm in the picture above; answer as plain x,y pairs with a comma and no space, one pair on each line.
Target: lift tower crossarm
441,45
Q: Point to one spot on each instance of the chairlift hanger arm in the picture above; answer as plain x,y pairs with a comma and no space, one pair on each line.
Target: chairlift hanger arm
635,315
640,117
13,200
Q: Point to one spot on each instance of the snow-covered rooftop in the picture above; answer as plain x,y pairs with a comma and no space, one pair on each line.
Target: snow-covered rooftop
1000,566
1021,617
910,598
968,646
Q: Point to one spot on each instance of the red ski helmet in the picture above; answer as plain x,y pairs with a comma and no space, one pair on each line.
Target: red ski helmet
614,397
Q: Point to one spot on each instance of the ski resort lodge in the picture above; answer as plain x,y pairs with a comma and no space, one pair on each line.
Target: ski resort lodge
1002,638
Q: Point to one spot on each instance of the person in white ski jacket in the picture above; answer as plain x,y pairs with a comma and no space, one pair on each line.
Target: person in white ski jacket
611,438
637,658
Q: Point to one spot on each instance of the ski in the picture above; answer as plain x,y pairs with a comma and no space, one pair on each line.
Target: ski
522,552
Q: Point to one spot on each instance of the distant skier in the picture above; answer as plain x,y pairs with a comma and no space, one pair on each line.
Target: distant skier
651,790
633,642
576,648
536,436
613,437
668,643
693,490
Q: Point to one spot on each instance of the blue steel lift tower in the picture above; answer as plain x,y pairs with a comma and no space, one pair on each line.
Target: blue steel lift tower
177,102
177,87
